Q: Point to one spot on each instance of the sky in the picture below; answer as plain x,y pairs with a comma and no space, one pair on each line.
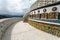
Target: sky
16,6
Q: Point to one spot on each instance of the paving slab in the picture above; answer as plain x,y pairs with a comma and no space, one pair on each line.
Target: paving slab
24,31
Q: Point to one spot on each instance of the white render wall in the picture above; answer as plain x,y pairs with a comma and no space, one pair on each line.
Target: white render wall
49,9
40,3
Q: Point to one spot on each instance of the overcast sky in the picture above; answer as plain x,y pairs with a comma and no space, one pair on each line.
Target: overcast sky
15,5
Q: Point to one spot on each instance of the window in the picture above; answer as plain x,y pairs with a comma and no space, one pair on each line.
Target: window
59,15
40,16
38,11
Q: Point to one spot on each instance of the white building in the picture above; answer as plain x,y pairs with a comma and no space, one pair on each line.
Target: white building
40,3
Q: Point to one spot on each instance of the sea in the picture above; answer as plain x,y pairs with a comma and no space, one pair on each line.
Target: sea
1,20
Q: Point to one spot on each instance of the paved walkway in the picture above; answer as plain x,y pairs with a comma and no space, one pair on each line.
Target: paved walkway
24,31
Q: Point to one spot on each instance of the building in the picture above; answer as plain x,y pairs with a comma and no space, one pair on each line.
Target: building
40,3
45,15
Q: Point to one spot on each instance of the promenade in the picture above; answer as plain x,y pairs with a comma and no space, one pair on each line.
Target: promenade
6,23
24,31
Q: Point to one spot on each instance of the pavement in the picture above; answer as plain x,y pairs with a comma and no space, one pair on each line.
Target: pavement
24,31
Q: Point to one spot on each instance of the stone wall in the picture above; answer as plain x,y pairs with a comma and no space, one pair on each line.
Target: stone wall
6,24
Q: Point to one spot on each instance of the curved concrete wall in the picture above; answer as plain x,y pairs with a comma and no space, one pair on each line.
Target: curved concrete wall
5,24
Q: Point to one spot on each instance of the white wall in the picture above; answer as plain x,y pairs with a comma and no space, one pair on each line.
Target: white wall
49,9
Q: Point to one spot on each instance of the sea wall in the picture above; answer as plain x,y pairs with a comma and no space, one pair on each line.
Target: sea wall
6,24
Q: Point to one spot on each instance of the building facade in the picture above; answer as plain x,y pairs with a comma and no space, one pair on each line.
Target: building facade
40,3
45,16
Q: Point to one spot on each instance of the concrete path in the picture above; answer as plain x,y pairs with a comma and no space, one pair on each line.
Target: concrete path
24,31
